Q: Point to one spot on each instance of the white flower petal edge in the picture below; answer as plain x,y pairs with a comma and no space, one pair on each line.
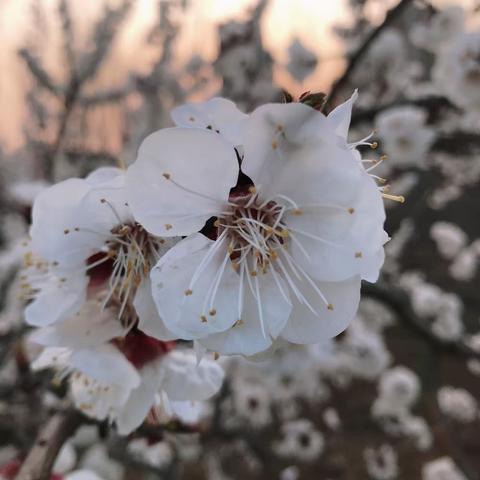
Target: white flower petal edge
90,327
149,321
304,327
341,116
186,380
217,114
180,179
58,297
69,221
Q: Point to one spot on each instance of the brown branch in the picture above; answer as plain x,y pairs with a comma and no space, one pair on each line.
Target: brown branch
433,104
400,303
390,18
39,462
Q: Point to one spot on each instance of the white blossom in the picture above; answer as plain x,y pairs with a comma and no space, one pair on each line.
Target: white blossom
85,245
300,440
450,239
457,71
458,404
440,30
404,136
382,463
286,261
443,468
120,376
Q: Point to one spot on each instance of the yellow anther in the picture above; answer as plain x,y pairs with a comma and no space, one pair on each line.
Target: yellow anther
358,255
238,323
253,273
66,231
274,145
166,175
280,127
212,312
283,233
203,318
330,307
395,198
383,157
168,226
273,255
216,355
216,223
252,189
351,210
374,145
297,211
188,292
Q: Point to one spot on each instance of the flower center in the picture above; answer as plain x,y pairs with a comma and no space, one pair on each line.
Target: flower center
117,270
254,229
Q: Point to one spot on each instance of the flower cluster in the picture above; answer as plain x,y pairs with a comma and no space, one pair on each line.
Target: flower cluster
235,231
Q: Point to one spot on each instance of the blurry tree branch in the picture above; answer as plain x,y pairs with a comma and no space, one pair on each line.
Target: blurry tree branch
344,79
399,302
80,70
39,73
39,462
433,104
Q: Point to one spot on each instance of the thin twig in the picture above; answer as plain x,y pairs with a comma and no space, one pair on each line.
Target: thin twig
432,104
400,303
39,462
390,18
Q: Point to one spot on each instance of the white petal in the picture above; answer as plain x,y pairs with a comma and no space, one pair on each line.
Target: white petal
91,327
57,300
201,168
185,380
103,175
182,304
149,320
341,244
140,401
274,131
189,413
52,214
218,114
341,116
97,399
305,328
247,337
106,364
52,357
72,219
83,475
